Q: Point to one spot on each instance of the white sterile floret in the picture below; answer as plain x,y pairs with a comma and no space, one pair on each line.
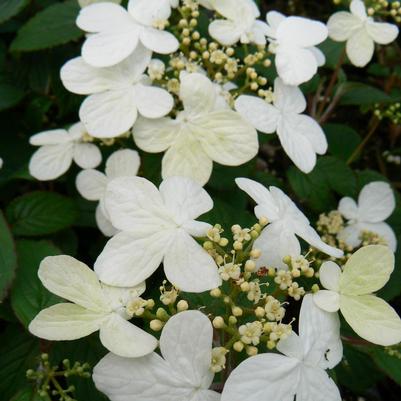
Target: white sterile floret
84,3
58,149
157,226
203,132
300,371
115,32
183,372
92,184
360,32
293,40
300,135
240,23
278,239
376,202
117,94
94,306
351,291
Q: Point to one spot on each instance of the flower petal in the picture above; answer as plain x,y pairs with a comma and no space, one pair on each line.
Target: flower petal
65,322
291,346
360,48
103,223
148,11
358,9
91,184
152,102
372,319
327,300
351,235
123,163
329,274
289,99
343,25
348,208
382,32
161,42
188,266
225,32
87,155
125,339
52,137
384,231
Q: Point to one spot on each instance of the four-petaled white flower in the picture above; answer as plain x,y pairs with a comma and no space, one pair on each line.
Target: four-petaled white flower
182,373
300,371
94,306
157,226
293,40
300,135
351,291
117,93
115,32
278,239
58,148
205,131
92,184
376,202
240,25
360,32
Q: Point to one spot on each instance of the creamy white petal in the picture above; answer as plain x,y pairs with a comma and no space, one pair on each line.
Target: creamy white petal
152,102
52,137
351,235
291,346
125,339
319,55
158,41
123,163
196,228
109,114
225,32
148,11
87,155
381,32
343,25
327,300
188,266
360,48
348,208
103,223
329,274
289,99
358,8
65,322
91,184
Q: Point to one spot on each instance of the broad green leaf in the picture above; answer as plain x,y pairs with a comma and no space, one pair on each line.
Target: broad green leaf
10,8
41,213
53,26
332,50
359,94
342,139
18,352
10,94
388,363
28,296
8,257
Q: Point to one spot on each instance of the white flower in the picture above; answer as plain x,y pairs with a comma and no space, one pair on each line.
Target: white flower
117,93
293,40
84,3
351,292
300,371
157,226
360,32
115,32
92,184
183,373
58,148
278,239
93,307
376,202
300,135
202,133
240,23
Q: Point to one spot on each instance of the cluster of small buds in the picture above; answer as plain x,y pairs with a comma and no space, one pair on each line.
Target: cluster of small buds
391,158
385,8
251,332
255,81
370,238
276,332
218,359
168,296
391,112
331,223
394,351
46,378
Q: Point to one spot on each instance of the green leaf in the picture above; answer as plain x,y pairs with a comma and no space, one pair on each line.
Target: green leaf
28,296
29,394
51,27
18,352
10,94
342,140
41,213
359,94
10,8
389,364
8,257
332,51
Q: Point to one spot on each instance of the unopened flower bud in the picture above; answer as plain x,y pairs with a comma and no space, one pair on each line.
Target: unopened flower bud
156,325
237,311
232,320
182,306
259,312
255,253
218,322
251,350
238,346
215,293
245,286
250,266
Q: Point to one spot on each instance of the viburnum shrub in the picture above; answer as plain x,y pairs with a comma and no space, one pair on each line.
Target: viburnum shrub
138,137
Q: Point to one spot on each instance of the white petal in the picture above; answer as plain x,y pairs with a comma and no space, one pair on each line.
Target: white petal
226,137
348,208
367,270
184,198
186,344
186,158
65,322
188,266
196,228
51,161
152,102
158,41
384,231
358,8
258,113
52,137
382,33
360,48
289,99
123,163
311,130
225,32
319,55
291,346
148,11
72,280
125,339
87,155
91,184
263,377
343,25
351,235
103,223
155,135
372,319
376,202
330,274
109,114
128,259
327,300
